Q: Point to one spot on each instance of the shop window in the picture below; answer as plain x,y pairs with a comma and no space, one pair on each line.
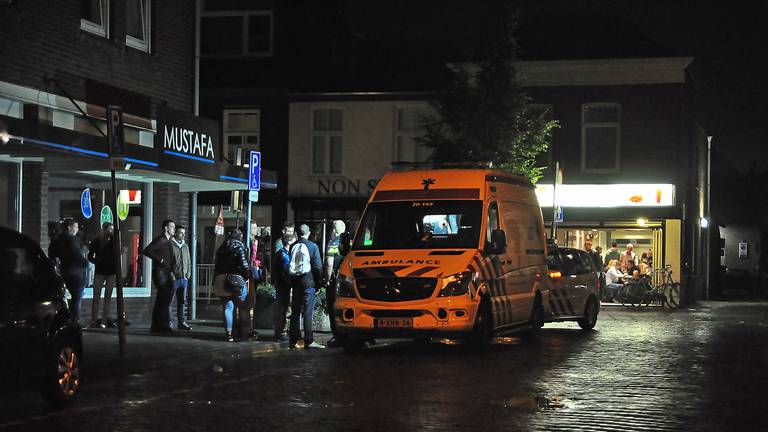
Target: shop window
137,24
95,17
242,129
236,33
600,137
11,108
327,141
410,126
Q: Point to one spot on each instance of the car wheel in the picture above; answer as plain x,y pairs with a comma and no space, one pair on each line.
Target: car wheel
482,331
533,332
590,315
61,383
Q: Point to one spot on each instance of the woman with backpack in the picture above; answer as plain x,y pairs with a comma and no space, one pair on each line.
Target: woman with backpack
231,271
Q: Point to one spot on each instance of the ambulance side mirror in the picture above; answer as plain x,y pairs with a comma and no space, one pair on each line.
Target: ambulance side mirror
498,244
345,243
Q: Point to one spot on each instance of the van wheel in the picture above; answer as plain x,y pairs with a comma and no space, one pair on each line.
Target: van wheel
590,315
61,382
482,332
536,322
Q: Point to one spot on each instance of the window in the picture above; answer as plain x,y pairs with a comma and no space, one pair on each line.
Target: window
600,132
236,33
137,24
95,17
241,134
409,126
327,149
493,221
11,108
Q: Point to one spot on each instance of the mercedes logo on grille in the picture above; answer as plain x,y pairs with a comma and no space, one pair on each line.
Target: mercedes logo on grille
392,289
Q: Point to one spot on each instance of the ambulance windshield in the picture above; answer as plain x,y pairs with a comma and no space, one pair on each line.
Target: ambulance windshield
445,224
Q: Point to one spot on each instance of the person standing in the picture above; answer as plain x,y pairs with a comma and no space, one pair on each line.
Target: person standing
101,253
628,255
288,228
612,254
160,252
68,250
232,261
182,271
306,270
332,262
282,280
593,255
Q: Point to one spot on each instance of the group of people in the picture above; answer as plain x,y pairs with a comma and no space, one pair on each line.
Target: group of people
298,273
620,267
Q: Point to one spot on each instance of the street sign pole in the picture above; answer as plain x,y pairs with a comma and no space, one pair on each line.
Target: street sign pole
116,139
254,184
557,179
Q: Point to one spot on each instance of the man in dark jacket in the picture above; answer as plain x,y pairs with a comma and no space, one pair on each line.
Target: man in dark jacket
282,281
160,252
67,250
101,252
306,272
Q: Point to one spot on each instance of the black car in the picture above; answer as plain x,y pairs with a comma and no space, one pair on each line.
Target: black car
40,339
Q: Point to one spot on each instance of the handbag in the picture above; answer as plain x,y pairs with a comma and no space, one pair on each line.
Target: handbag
234,283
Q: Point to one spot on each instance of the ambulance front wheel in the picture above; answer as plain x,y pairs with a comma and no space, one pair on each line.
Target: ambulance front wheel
482,332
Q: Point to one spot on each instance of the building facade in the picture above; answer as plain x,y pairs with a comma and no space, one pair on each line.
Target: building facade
65,64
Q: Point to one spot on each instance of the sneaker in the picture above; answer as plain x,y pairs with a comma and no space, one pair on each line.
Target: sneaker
184,326
229,337
314,345
111,323
293,345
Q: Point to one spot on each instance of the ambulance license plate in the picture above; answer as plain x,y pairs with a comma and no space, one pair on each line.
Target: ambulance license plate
394,322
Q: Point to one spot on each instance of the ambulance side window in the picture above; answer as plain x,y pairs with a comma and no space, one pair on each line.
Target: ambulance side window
493,221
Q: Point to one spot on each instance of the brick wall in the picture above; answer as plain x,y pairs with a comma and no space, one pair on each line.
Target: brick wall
42,38
35,199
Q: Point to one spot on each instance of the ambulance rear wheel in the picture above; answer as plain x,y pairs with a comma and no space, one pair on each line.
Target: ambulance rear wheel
533,332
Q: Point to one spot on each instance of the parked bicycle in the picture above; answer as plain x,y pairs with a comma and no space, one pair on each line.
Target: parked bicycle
644,291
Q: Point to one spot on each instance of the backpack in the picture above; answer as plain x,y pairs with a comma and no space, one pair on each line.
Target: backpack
300,262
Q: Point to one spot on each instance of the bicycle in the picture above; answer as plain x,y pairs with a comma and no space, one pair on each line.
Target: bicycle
666,291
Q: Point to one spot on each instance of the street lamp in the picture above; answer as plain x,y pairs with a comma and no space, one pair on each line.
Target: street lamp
704,222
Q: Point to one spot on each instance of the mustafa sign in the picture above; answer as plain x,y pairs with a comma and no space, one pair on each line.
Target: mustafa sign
187,144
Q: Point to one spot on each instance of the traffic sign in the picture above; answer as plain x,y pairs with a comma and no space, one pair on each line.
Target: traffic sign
85,203
254,171
106,215
559,214
115,134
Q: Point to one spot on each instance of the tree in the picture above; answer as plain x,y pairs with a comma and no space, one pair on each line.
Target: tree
486,115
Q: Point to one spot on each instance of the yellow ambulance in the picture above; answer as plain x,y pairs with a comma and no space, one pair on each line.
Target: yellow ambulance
454,252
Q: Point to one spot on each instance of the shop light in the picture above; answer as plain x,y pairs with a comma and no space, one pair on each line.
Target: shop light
642,221
704,222
4,137
607,195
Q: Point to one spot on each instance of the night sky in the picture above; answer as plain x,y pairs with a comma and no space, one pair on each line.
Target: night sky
728,40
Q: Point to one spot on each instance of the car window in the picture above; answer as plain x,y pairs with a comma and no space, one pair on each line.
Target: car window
571,263
22,269
586,262
553,261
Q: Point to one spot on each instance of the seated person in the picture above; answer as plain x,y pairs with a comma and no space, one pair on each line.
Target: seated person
644,266
613,280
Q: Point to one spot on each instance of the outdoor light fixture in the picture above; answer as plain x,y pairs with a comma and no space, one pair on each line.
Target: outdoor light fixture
704,222
4,137
642,221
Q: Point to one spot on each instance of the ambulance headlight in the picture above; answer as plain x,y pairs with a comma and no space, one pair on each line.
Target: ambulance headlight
345,286
457,285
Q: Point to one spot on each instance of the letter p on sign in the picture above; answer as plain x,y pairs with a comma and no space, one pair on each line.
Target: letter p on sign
115,134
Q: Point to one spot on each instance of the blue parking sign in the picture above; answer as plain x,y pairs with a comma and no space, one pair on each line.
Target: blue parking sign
85,203
254,171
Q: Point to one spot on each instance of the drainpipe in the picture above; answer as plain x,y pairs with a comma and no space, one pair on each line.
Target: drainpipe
708,213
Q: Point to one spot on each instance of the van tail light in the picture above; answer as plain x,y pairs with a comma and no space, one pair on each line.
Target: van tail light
538,277
554,274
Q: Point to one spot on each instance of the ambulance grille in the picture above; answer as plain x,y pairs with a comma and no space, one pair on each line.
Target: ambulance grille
396,289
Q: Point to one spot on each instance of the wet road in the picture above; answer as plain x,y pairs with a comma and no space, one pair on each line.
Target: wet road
702,369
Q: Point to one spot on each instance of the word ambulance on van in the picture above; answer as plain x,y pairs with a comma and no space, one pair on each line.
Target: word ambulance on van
456,252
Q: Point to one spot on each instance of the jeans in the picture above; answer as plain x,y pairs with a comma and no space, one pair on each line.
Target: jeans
180,288
611,290
283,292
161,313
229,308
98,282
302,305
75,281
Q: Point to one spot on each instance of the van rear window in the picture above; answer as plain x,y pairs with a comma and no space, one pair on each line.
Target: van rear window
420,225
